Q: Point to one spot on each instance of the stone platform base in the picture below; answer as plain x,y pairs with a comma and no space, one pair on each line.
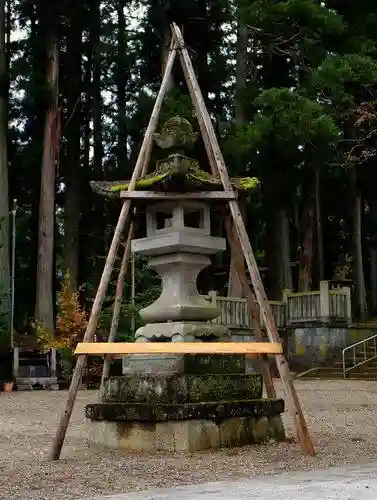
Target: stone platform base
186,427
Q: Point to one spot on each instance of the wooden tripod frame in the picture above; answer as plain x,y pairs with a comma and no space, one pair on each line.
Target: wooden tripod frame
240,248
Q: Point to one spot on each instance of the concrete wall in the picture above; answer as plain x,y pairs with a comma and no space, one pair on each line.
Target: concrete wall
308,346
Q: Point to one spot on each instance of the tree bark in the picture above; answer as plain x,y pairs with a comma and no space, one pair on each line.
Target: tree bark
279,276
4,201
97,97
44,308
120,82
72,161
318,212
234,285
306,249
361,300
241,71
373,279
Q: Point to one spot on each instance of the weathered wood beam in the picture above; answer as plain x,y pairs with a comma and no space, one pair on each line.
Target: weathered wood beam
140,170
253,309
117,305
215,156
199,195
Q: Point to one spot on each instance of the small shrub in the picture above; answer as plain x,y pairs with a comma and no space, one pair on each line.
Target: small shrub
71,322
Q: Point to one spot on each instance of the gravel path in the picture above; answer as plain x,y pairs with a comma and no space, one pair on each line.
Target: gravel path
341,416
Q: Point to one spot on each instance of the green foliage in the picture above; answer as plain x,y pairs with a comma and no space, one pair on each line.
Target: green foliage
297,28
290,122
346,80
293,120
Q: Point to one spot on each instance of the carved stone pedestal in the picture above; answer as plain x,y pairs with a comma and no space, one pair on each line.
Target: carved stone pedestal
186,427
212,403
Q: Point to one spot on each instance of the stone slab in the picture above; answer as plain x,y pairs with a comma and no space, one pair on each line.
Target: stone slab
178,241
177,389
187,436
122,412
345,483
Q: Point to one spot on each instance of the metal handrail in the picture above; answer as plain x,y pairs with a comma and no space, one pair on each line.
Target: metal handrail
353,347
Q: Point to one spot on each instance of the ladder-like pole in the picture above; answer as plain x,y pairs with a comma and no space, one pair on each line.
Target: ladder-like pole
141,164
214,152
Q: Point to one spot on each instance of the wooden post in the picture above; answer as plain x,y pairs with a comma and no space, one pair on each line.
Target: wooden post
214,155
347,292
373,279
53,363
286,293
324,301
141,165
117,307
16,362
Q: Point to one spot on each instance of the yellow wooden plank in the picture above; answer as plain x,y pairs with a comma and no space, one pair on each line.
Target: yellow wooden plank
124,348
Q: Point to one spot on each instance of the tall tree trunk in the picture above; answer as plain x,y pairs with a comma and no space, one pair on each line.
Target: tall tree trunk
277,253
97,96
4,202
285,250
73,170
120,82
234,286
318,212
87,242
307,245
241,73
361,300
44,307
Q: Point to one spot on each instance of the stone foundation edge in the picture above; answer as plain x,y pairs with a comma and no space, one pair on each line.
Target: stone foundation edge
186,427
186,435
120,412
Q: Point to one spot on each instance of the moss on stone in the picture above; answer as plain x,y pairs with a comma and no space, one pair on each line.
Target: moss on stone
182,388
176,132
228,387
217,411
177,172
201,364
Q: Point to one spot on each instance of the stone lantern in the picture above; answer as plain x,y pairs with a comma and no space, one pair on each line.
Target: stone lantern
178,246
186,402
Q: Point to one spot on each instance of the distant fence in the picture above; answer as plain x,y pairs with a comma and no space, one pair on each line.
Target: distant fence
321,306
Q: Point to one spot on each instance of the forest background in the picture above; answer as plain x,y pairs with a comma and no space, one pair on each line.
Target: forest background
291,89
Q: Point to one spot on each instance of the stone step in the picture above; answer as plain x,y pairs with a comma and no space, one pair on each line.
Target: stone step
334,370
371,375
339,376
360,355
350,362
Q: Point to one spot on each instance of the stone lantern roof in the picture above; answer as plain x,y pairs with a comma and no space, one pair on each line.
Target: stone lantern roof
177,172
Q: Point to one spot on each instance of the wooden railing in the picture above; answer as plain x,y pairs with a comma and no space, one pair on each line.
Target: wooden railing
303,307
295,309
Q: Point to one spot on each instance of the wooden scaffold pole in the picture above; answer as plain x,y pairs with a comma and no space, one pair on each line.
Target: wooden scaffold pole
140,166
240,247
117,306
214,152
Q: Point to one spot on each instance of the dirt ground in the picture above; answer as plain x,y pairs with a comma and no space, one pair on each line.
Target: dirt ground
341,417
